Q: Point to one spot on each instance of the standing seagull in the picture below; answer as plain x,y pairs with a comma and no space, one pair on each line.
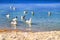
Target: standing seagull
49,13
32,13
29,21
25,12
14,22
22,17
8,16
14,8
15,19
10,7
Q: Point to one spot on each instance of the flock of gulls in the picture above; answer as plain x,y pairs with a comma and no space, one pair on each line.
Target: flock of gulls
14,20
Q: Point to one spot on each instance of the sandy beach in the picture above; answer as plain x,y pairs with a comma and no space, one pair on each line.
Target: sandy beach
23,35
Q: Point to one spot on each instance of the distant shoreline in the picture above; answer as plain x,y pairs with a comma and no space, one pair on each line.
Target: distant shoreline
15,30
18,30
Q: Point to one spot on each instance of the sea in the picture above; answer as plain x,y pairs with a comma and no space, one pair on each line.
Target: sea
40,20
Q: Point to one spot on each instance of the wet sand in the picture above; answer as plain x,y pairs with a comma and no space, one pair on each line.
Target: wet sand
29,35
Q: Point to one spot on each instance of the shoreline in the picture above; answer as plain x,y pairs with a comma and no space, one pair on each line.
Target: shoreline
18,30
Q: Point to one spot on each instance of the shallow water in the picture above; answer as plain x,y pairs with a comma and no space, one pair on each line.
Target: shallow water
40,21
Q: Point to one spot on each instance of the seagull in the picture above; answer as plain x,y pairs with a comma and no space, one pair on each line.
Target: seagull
8,16
49,13
10,7
25,12
15,19
14,8
22,17
29,21
32,13
13,22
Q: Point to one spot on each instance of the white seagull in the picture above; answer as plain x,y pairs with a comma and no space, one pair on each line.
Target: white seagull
10,7
29,21
22,17
14,8
32,13
13,22
14,19
8,16
49,13
25,12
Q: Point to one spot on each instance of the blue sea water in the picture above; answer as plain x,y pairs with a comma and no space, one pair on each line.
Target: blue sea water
40,21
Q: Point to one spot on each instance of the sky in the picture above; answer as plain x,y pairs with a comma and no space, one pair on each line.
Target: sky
29,1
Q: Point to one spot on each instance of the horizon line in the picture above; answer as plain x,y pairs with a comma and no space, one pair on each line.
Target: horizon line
30,3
